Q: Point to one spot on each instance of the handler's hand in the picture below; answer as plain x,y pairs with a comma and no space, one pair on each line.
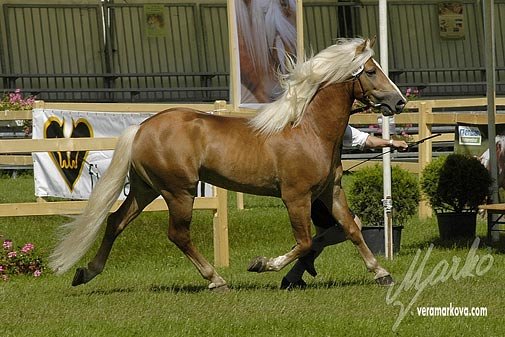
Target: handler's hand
400,144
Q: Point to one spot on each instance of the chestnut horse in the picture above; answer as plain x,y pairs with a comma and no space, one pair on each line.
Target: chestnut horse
291,150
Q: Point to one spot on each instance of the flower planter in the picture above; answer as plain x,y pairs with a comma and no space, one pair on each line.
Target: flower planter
457,225
374,238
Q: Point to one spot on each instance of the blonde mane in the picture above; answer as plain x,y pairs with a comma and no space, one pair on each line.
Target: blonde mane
334,64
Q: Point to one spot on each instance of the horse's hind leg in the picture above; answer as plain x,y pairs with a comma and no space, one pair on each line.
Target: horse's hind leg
139,197
180,211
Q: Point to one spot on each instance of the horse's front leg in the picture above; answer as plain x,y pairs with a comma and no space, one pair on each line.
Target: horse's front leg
299,215
340,210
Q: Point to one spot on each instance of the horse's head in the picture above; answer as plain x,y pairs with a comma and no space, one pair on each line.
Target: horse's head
375,89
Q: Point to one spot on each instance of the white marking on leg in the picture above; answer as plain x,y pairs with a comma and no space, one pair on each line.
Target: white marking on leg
278,263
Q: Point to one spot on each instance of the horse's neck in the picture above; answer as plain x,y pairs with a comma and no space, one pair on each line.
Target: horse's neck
328,112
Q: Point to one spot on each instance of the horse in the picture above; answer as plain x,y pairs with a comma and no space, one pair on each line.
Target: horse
291,149
266,34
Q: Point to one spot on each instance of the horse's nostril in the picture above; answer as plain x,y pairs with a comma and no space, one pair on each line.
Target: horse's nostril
400,105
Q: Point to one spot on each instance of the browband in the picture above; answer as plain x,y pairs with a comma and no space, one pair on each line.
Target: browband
358,71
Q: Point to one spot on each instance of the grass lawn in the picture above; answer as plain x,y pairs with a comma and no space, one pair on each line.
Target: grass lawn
149,288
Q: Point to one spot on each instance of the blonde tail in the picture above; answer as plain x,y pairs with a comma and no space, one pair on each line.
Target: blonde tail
79,235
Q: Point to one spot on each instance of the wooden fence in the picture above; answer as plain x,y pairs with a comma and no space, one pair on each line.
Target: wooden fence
423,113
12,153
429,113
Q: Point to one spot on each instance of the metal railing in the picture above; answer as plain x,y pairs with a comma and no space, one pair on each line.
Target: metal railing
100,52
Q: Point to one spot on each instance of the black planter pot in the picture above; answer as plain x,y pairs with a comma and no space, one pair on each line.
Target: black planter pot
374,238
457,225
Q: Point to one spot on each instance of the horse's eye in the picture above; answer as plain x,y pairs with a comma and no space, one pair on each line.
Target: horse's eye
371,72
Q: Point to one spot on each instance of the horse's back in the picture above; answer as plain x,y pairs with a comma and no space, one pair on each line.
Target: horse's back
197,126
181,146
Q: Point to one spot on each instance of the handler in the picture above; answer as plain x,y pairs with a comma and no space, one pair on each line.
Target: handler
328,230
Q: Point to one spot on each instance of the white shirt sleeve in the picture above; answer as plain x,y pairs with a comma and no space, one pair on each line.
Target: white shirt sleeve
354,138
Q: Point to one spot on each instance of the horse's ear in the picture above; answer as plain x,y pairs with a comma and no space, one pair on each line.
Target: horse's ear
361,48
372,41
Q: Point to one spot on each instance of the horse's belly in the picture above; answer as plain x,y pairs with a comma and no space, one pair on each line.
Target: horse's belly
250,184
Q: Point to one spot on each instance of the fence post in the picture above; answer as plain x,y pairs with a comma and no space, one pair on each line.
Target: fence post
220,107
221,246
220,221
240,200
425,151
39,104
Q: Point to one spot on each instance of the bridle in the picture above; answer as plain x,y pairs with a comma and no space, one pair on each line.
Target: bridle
365,99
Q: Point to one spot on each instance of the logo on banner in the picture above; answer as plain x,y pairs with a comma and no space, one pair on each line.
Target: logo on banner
469,135
68,163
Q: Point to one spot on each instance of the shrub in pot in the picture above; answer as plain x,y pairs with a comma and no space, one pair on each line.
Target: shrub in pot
365,199
455,186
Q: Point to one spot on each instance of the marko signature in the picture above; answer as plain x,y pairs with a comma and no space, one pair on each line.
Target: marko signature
474,265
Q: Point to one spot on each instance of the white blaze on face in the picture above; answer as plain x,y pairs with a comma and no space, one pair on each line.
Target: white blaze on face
391,82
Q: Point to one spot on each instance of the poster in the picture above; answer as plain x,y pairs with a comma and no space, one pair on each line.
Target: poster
155,20
73,174
451,20
266,33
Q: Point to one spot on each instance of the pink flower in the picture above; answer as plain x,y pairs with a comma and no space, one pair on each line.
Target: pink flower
7,244
12,254
2,268
37,273
28,103
15,98
27,248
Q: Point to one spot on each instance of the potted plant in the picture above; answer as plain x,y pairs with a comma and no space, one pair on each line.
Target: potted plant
365,199
455,186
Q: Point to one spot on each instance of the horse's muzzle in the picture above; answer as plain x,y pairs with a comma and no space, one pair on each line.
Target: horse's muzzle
392,106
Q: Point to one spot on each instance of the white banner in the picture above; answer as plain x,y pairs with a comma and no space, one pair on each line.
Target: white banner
73,174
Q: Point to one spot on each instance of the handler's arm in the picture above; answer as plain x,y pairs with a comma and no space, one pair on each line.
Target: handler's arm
376,142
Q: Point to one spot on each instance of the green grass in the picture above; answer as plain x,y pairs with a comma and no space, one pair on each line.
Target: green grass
149,288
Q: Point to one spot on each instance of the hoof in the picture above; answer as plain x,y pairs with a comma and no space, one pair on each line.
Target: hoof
219,289
386,281
79,277
83,275
289,286
258,264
